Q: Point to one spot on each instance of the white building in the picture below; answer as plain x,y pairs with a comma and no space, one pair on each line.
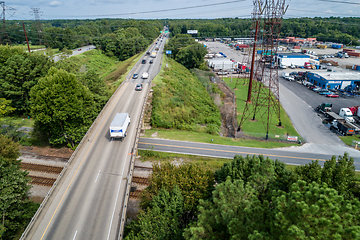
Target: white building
288,59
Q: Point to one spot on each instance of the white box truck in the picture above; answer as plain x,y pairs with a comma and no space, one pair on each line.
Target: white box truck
119,126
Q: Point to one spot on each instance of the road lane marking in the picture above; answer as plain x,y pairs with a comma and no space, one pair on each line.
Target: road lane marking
75,235
96,135
97,176
228,151
116,200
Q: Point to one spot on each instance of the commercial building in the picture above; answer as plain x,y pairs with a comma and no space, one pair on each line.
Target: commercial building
288,59
335,80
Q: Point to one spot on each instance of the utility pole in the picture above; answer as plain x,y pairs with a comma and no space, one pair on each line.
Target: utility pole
3,29
27,41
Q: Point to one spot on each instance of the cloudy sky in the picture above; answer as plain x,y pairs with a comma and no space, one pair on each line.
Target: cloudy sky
90,9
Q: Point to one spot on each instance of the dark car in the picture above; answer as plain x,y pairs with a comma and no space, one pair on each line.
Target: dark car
143,61
138,87
135,76
147,53
151,61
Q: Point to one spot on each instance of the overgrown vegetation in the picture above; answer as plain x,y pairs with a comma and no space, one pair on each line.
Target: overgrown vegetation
186,51
250,198
15,207
181,102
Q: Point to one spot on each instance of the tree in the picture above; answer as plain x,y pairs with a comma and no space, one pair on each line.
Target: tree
62,107
234,212
194,182
9,150
5,107
314,211
18,74
162,219
338,174
191,56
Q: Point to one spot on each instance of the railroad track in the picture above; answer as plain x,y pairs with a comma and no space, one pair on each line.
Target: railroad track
142,167
135,194
41,168
42,181
140,180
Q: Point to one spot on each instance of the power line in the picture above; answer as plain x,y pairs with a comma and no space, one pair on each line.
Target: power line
344,2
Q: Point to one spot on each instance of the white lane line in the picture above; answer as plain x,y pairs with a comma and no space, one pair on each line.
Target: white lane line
75,235
97,176
116,200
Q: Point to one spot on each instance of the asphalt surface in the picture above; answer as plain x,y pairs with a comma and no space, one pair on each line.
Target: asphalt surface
223,151
75,52
88,201
299,103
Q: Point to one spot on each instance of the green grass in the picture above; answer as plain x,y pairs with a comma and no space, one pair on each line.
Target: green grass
153,156
180,101
257,128
23,122
348,140
203,137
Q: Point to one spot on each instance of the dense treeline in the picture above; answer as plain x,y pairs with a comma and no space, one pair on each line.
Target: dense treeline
342,30
75,33
251,198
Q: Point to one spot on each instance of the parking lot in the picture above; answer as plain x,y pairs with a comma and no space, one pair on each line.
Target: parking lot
314,99
343,62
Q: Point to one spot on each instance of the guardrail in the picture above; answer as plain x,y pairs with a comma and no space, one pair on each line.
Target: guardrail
131,166
86,137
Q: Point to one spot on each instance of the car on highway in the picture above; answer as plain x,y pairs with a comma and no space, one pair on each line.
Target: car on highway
332,95
139,87
135,76
151,61
143,61
147,53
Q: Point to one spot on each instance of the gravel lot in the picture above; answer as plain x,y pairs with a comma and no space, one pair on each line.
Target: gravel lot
342,61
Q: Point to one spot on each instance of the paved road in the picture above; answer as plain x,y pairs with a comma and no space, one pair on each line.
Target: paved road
298,103
223,151
87,203
75,52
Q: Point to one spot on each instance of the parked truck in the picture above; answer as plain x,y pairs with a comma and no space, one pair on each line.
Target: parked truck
347,115
324,108
344,128
119,126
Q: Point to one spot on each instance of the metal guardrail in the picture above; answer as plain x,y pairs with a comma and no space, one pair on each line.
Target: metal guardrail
131,166
86,137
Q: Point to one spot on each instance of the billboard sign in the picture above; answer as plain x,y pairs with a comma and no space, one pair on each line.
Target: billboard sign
192,31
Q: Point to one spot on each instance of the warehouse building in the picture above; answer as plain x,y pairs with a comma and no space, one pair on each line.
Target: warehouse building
335,80
288,59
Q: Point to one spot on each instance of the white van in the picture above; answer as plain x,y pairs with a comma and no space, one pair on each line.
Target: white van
145,75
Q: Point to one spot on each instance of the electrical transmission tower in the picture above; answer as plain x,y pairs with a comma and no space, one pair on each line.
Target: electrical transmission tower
263,93
4,36
36,12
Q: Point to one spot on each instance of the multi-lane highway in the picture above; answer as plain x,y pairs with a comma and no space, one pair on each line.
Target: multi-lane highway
223,151
87,203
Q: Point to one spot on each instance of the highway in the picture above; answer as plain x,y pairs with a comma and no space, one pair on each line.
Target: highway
224,151
87,203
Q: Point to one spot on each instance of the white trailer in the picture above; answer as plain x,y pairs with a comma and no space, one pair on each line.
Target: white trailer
119,126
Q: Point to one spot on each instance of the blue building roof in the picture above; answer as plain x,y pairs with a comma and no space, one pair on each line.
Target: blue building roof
292,55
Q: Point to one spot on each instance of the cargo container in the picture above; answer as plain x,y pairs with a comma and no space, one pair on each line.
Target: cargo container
354,54
321,46
337,46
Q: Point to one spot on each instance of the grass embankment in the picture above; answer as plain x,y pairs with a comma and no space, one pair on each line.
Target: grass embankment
349,140
112,71
257,128
180,101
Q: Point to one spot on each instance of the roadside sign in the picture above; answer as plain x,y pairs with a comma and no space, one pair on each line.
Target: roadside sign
168,52
292,138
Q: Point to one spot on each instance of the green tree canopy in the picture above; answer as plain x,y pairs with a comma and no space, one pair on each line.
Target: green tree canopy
9,150
162,219
62,107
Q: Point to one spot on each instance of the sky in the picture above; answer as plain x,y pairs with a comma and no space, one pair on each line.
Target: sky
141,9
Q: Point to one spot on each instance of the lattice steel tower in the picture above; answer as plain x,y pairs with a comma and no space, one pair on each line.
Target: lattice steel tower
263,92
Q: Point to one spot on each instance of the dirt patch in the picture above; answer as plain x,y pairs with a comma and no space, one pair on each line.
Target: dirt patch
48,151
227,110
